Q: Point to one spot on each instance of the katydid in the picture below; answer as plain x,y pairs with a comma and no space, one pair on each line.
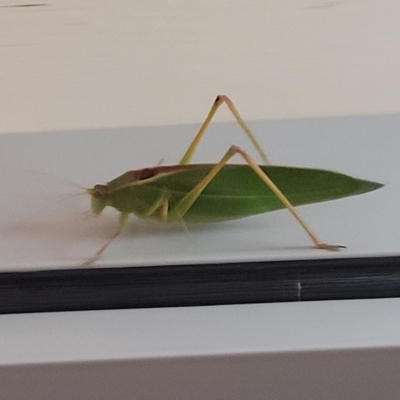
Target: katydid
217,192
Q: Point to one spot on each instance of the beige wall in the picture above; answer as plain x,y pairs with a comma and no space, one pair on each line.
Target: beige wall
96,63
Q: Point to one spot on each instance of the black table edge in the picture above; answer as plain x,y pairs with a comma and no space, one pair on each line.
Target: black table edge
199,285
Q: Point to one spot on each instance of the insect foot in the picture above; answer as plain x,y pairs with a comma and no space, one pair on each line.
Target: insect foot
90,261
330,247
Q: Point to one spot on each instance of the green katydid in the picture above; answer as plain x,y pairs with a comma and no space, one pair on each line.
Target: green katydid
221,191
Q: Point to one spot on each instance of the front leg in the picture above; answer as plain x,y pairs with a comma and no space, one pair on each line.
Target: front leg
122,220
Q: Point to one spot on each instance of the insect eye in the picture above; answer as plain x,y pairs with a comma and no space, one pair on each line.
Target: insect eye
100,191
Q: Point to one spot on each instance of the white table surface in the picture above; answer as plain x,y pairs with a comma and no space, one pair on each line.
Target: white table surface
100,64
46,223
